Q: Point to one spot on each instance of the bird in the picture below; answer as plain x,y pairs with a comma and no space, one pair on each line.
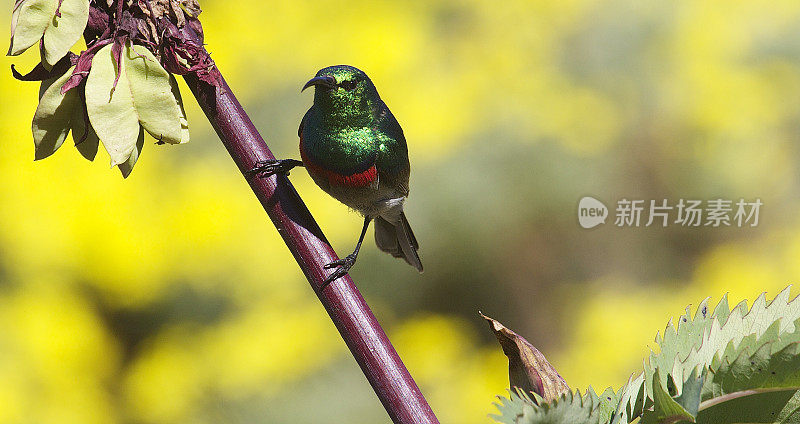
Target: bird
355,150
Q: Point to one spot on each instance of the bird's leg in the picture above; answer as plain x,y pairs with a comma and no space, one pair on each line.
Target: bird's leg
343,265
266,168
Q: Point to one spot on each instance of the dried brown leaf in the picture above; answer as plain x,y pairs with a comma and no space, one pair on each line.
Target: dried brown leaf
528,369
192,7
175,10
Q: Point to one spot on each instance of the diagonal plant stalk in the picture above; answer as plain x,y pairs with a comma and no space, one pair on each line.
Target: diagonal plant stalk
352,316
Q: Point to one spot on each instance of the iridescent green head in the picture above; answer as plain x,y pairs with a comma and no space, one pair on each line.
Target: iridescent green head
345,94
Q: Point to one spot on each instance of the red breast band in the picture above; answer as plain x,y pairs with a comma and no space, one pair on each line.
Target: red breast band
361,179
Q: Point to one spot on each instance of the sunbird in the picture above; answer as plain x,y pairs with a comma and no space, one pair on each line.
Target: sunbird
354,149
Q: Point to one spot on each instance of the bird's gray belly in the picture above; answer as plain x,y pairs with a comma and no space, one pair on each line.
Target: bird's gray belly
369,201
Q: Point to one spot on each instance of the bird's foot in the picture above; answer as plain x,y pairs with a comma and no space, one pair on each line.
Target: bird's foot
342,267
266,168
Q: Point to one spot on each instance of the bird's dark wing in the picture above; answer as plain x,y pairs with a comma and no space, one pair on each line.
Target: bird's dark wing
392,160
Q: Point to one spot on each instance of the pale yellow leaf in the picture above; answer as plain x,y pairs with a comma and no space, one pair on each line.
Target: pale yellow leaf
66,30
30,22
111,110
127,167
152,94
51,122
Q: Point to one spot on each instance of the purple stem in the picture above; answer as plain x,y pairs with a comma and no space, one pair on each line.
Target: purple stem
360,330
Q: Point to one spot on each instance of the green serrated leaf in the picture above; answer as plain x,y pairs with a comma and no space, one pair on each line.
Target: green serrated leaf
52,120
730,336
733,350
631,399
787,338
747,346
111,110
790,414
570,408
606,404
766,368
512,408
722,311
678,342
152,93
741,324
733,366
66,30
691,391
752,406
665,408
780,308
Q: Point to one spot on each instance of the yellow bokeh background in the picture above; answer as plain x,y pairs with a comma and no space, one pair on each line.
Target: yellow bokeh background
169,297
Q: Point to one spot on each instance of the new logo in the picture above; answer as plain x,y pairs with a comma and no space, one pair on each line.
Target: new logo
591,212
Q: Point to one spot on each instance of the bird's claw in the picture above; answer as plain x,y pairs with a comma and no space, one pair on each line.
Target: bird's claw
269,167
342,267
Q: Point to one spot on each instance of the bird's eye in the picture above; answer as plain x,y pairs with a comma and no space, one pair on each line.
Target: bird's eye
348,85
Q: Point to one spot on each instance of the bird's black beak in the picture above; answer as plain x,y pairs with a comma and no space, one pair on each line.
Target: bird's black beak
326,81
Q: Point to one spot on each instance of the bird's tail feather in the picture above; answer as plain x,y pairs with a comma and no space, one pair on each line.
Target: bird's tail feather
398,240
